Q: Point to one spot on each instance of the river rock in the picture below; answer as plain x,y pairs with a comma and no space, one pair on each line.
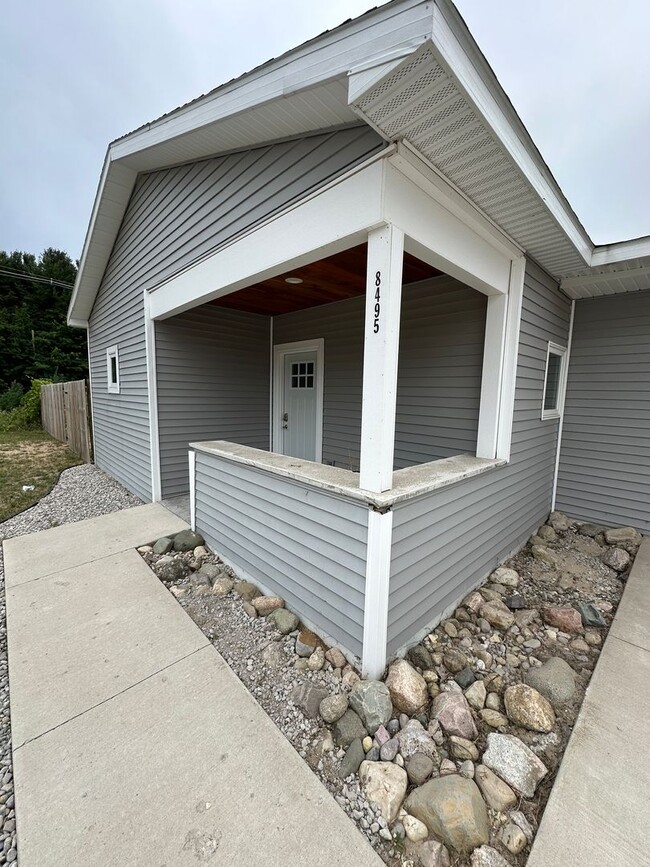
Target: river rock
616,558
564,619
246,590
623,536
515,763
420,657
413,738
352,759
308,697
408,689
433,854
486,856
497,794
513,838
169,569
452,712
336,658
454,660
497,614
541,552
371,700
348,728
384,785
474,601
283,620
528,708
462,749
222,586
332,707
476,695
493,718
163,545
453,810
559,522
506,577
554,679
306,643
264,605
414,829
187,540
547,534
389,750
590,615
419,768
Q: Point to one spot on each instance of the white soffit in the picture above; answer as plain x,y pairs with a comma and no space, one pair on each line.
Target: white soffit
423,104
631,275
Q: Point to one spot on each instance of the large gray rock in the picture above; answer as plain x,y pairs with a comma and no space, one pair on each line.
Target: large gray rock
452,712
352,759
187,540
384,785
246,590
211,572
169,569
413,738
616,558
308,697
283,620
420,657
348,728
408,689
497,794
559,522
333,707
453,810
591,616
419,768
554,679
515,763
497,614
371,700
163,545
623,536
264,605
528,708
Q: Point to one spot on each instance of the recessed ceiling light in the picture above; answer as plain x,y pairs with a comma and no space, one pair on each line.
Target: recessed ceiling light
293,280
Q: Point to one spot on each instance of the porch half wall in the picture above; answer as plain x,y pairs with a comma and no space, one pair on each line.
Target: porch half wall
298,542
446,542
604,473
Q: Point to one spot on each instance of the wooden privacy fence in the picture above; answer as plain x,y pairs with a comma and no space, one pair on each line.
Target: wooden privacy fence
64,415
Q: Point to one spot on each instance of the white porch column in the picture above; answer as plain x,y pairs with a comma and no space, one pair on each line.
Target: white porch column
380,355
493,355
375,612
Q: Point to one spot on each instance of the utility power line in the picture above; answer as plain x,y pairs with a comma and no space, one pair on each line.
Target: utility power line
34,278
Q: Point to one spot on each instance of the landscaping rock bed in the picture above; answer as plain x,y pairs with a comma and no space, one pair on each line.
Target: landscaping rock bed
451,759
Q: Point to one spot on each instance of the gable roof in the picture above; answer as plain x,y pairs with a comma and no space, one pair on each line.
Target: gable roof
412,71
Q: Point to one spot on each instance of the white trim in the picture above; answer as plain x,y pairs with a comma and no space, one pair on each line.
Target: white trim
113,386
280,351
621,251
375,607
561,351
152,397
510,358
90,390
329,222
561,425
380,357
191,457
271,322
492,376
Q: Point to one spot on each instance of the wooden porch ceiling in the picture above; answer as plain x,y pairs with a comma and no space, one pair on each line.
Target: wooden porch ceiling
332,279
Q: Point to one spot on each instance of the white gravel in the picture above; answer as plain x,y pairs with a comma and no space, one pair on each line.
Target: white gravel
81,492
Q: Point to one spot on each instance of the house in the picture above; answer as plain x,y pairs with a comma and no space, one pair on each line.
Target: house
348,286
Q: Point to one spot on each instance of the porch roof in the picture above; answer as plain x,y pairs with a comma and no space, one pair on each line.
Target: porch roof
410,69
407,484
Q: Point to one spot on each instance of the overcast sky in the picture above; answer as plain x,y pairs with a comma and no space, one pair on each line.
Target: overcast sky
76,74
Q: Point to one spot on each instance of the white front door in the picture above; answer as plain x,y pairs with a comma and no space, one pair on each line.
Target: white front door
298,401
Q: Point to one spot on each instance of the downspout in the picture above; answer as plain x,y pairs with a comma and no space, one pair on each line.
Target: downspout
561,424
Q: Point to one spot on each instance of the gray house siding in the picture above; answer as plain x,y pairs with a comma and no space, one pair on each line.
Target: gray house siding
174,217
605,457
439,379
304,544
213,367
444,543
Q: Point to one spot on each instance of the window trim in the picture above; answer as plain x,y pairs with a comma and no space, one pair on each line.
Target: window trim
113,352
556,412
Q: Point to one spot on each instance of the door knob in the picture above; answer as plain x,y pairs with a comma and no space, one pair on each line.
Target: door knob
285,416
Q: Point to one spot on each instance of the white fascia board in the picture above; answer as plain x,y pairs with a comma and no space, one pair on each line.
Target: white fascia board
601,280
613,254
331,55
442,239
328,222
459,54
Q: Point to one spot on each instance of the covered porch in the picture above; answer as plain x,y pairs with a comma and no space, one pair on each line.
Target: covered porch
351,355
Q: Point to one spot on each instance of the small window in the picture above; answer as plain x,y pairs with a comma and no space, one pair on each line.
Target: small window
302,374
554,381
113,369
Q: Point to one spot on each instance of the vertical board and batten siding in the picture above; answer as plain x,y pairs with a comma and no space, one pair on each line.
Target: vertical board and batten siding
299,542
213,368
445,542
439,377
176,216
604,472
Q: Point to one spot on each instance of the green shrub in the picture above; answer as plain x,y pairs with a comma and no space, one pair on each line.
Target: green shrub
10,399
28,413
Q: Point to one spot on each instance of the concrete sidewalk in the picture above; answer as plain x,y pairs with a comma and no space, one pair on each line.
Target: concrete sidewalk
133,742
599,809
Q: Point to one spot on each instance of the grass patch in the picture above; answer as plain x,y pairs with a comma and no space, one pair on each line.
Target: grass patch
29,457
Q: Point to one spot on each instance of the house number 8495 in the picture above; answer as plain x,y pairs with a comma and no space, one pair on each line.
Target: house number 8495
377,301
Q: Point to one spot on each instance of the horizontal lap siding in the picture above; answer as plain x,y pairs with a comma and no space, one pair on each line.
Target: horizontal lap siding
439,378
605,458
446,541
213,370
303,544
176,216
